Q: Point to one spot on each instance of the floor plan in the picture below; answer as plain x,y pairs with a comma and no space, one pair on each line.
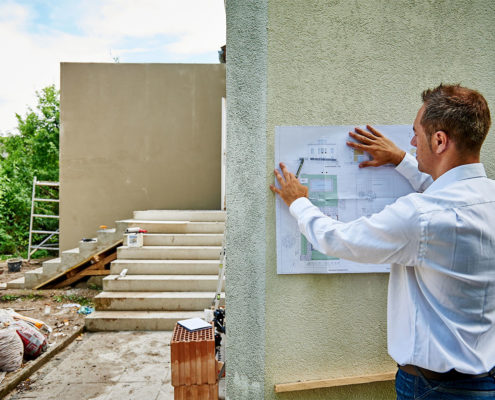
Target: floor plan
329,168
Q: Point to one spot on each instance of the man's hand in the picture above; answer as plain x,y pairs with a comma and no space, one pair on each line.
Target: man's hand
381,148
290,187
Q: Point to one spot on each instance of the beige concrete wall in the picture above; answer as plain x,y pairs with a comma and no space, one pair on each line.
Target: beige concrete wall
136,137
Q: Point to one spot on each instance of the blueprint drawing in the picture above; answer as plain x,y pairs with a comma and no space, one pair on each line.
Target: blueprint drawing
337,186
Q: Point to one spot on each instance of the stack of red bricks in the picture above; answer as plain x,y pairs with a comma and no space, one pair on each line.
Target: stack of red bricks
194,369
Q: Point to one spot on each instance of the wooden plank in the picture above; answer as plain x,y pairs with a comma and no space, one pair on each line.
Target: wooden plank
101,262
76,267
92,267
326,383
92,272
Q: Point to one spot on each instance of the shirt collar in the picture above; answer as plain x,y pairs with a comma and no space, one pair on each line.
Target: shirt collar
462,172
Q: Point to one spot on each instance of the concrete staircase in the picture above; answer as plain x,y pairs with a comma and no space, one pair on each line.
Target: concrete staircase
172,277
69,258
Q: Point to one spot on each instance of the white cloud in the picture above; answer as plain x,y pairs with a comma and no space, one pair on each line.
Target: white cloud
31,57
31,62
197,25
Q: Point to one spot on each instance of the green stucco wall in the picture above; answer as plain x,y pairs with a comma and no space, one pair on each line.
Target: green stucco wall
331,63
246,198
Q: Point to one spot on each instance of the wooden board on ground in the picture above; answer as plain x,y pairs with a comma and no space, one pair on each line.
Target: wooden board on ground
96,265
326,383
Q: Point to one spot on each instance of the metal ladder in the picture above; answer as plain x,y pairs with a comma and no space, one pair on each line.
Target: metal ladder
43,245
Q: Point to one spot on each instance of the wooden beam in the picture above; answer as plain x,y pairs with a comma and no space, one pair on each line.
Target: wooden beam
95,272
92,262
326,383
100,265
103,261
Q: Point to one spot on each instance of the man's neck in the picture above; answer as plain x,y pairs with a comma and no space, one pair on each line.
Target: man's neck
453,161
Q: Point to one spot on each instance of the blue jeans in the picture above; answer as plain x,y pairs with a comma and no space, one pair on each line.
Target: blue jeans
410,387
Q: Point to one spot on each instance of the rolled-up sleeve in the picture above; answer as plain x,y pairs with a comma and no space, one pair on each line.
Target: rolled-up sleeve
390,236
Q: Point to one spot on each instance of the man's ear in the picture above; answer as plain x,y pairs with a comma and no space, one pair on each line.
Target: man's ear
440,142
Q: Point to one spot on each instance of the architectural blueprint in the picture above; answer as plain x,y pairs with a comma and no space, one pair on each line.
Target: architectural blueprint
337,186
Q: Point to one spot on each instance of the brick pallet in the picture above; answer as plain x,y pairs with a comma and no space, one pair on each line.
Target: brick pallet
194,369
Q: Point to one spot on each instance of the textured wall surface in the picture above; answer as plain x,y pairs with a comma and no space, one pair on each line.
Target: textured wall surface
337,63
134,137
328,63
246,198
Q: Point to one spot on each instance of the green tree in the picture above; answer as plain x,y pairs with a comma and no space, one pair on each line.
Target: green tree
31,152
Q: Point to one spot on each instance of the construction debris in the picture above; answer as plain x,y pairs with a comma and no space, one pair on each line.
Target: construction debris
11,348
122,274
85,310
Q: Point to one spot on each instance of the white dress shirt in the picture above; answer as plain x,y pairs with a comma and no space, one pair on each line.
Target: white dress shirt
441,247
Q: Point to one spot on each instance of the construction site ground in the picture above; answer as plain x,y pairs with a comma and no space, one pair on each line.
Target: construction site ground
104,366
85,365
53,307
49,306
6,276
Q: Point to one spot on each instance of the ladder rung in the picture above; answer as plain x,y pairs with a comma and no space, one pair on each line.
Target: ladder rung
53,200
44,248
45,216
46,183
47,232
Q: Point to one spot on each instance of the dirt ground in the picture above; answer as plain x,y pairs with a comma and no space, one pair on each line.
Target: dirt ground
51,306
105,366
6,276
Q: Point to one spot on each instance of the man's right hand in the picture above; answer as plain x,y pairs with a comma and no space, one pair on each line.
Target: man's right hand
381,148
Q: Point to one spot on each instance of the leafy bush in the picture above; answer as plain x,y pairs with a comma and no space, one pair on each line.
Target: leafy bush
34,151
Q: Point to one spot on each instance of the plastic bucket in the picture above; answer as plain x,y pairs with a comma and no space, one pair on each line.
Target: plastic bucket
14,264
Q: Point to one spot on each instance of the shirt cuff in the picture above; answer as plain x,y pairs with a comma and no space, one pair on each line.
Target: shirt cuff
407,163
299,205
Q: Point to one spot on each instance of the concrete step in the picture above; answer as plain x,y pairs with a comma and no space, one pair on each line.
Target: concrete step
53,266
165,267
169,253
161,283
154,301
175,226
137,320
181,215
188,239
107,237
71,257
16,283
34,277
87,249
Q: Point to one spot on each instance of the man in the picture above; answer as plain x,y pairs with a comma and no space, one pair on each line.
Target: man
440,243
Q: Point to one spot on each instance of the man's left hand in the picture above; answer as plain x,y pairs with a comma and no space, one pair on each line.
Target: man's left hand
290,187
381,148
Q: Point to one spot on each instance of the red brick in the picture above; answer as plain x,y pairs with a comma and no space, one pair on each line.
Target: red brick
196,392
193,357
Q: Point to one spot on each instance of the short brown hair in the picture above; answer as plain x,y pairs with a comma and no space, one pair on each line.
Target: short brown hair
460,112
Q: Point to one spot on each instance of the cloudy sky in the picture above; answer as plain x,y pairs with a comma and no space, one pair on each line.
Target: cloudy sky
36,35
